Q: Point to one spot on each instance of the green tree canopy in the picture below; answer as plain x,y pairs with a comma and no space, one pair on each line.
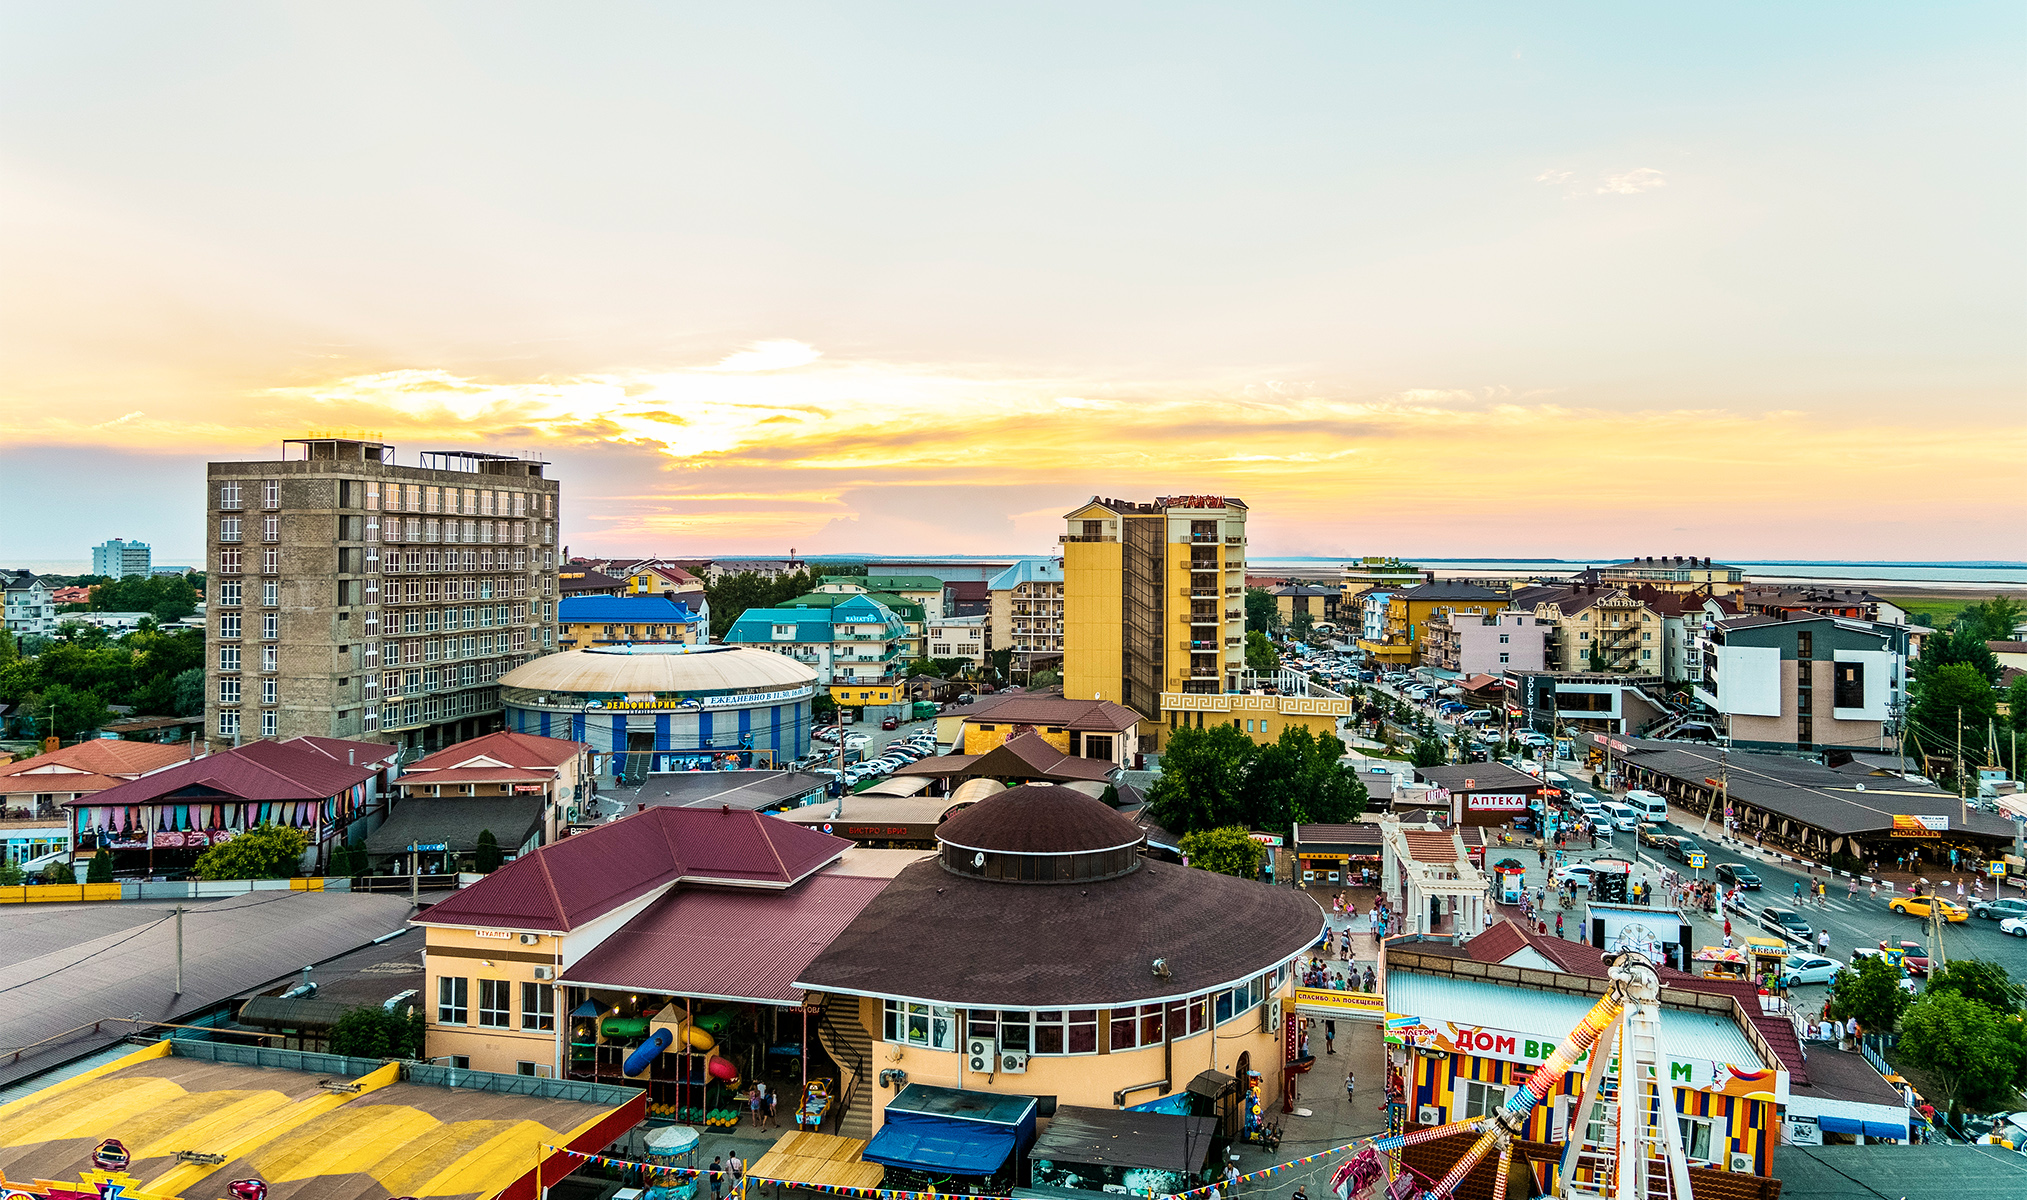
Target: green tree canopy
1262,614
486,857
166,597
370,1031
1260,653
1971,1052
1994,620
1431,752
730,595
1218,776
1944,694
101,868
263,852
1226,850
10,873
1870,993
1981,980
76,712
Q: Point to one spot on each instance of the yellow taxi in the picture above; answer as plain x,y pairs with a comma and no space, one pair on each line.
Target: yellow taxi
1918,906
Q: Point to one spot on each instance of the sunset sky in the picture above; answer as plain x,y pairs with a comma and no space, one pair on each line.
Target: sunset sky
1739,280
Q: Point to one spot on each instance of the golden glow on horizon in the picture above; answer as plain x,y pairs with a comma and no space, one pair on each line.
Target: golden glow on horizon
772,443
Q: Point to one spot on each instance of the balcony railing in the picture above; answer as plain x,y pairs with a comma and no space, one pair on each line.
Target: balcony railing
1203,537
1234,614
1209,618
1234,539
1087,537
1203,593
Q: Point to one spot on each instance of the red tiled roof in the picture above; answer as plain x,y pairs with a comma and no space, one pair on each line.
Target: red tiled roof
513,749
77,783
298,769
734,945
1023,709
561,886
104,756
1426,847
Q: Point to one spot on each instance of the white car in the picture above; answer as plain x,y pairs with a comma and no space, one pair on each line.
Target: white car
1580,873
2017,926
1808,968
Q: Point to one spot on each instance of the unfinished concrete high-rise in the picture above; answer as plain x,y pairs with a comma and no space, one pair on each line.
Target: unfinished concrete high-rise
356,598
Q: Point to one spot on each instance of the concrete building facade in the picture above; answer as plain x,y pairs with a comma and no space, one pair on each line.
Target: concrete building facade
1154,601
117,559
1803,684
352,597
1027,611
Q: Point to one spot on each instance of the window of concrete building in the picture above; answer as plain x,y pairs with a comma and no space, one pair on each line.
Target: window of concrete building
1805,644
270,561
270,493
228,495
269,657
228,722
1848,685
452,995
270,723
228,529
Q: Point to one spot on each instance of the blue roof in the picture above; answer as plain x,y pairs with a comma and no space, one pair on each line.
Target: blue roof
1027,570
651,610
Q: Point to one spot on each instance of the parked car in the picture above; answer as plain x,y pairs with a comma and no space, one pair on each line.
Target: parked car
1738,875
2017,926
1787,923
1808,968
1918,906
890,723
1999,910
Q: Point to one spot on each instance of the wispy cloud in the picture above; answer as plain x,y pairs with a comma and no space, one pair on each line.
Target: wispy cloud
1633,182
1553,176
776,355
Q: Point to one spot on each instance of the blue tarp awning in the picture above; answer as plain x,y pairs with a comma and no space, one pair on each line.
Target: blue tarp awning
1854,1127
938,1144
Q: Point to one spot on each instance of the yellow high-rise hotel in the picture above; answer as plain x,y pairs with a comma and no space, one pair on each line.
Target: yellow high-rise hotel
1154,618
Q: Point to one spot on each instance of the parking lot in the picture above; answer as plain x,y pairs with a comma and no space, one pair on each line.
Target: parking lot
909,741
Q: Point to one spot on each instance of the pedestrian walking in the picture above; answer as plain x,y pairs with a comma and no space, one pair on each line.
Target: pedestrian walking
1232,1177
1823,942
1350,1084
735,1174
1851,893
773,1098
1330,1037
1798,889
1875,889
717,1177
753,1103
1558,925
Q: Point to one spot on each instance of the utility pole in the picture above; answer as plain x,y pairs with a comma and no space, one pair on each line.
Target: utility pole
179,950
1962,804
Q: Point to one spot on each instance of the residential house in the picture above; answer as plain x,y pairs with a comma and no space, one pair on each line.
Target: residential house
914,614
1027,611
675,583
1596,629
1079,728
1409,610
578,578
34,790
523,788
1317,603
1378,571
766,568
855,643
1777,600
1675,574
1369,610
1471,642
958,637
1806,683
28,605
609,620
70,595
334,791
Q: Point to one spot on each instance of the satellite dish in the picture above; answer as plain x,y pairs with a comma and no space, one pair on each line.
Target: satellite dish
978,860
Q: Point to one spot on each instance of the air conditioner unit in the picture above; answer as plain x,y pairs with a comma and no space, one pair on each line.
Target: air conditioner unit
1013,1063
1270,1016
529,939
1742,1162
982,1055
545,973
1429,1114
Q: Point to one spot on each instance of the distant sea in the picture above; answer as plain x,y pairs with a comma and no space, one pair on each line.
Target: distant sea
1941,575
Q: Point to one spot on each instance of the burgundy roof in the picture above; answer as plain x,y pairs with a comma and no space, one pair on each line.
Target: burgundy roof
1027,709
477,775
733,944
1039,818
561,886
506,746
298,769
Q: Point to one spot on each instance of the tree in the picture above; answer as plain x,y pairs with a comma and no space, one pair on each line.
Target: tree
348,861
1431,752
1597,656
2016,705
1263,614
1202,784
1226,850
73,711
186,693
1260,653
10,873
1995,619
1045,679
1964,1045
263,852
822,709
486,856
1301,624
1870,993
101,868
58,872
1300,779
1942,695
1981,980
370,1031
9,652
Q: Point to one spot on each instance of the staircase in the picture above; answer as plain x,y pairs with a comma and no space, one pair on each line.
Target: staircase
845,1039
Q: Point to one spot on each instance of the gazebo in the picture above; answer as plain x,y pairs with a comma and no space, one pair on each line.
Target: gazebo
1023,758
1431,871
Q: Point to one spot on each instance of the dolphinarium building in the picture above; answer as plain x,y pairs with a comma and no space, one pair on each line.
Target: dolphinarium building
667,707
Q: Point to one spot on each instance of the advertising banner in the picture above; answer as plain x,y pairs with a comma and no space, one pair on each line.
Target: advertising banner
1325,1002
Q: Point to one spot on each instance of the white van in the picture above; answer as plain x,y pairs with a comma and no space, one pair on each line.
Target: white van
1652,806
1621,816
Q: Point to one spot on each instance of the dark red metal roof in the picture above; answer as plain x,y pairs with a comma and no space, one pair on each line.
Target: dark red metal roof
731,944
507,747
1039,818
298,769
561,886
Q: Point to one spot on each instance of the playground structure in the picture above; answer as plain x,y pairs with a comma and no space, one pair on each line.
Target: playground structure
1634,1152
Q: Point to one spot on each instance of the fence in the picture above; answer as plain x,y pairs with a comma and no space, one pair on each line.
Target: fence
187,889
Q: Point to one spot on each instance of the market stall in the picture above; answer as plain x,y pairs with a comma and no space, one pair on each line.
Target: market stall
1140,1153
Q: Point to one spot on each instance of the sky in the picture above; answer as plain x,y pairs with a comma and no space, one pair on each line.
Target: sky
1740,280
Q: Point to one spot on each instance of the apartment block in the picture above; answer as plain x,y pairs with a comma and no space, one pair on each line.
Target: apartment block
1593,628
118,558
855,642
1027,612
1804,683
1477,643
1676,574
354,597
